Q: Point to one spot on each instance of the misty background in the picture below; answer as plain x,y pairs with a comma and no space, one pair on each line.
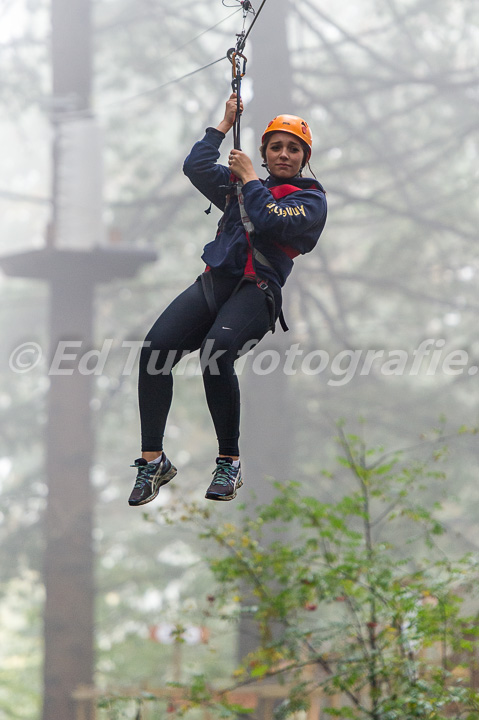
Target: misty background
99,230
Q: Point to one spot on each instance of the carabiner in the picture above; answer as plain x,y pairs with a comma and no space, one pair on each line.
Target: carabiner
235,60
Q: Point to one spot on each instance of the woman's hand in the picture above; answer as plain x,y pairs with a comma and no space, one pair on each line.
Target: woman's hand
230,114
240,164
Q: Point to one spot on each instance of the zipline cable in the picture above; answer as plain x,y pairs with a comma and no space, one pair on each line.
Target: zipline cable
188,42
247,7
87,113
160,87
256,15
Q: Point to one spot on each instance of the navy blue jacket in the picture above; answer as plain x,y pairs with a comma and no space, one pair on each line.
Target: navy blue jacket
294,221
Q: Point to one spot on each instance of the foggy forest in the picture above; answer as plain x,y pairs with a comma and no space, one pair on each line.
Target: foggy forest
359,447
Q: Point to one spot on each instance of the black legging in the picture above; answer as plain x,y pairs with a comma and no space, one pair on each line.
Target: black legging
186,325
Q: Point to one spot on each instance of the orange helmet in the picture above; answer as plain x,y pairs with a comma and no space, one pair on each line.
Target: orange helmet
291,124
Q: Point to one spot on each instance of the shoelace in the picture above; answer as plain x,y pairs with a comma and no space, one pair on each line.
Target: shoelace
222,473
143,475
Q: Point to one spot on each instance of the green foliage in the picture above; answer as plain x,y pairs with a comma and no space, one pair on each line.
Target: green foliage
357,598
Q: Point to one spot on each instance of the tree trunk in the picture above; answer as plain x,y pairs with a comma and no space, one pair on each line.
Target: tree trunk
68,562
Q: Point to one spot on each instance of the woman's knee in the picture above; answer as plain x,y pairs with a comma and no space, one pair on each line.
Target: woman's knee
216,356
158,360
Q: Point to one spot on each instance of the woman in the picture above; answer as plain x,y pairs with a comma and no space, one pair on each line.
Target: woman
234,303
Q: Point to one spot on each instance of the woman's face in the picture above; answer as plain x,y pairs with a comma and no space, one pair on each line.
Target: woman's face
284,155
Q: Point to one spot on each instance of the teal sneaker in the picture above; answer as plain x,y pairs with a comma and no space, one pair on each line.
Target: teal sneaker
226,481
150,478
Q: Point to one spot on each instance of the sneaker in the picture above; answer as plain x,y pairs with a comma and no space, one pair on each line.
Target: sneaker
227,479
150,477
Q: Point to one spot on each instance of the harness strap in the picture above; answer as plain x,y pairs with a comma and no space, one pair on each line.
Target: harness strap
254,254
261,258
249,270
208,291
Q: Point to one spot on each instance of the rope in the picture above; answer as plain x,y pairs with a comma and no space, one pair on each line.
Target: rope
160,87
188,42
87,113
